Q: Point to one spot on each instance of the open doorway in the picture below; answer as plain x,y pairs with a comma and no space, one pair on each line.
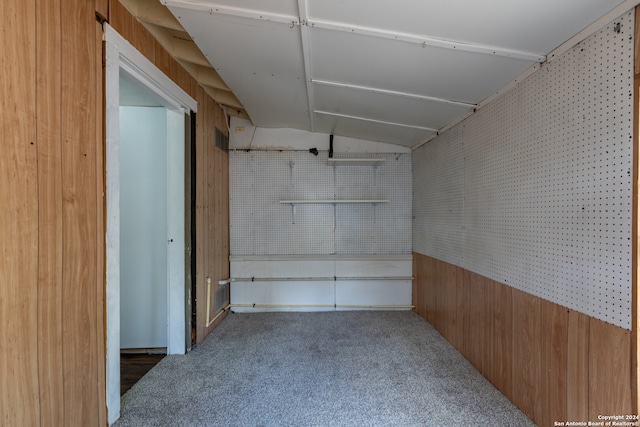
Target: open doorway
144,136
148,287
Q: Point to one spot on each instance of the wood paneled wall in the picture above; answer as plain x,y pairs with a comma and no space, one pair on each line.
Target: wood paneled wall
52,278
51,215
212,168
555,364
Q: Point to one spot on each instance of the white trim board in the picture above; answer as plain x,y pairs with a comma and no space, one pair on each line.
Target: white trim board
121,56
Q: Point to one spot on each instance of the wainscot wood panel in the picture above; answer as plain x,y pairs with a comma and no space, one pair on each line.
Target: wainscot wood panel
609,370
18,217
555,364
475,333
461,309
489,329
526,353
553,349
428,296
578,366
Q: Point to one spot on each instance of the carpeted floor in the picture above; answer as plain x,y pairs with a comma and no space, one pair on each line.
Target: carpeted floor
359,368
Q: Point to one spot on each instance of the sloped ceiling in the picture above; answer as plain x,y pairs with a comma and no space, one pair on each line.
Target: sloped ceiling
389,71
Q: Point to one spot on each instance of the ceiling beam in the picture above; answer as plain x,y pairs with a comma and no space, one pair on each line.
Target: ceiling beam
425,41
366,119
394,93
418,39
218,9
306,54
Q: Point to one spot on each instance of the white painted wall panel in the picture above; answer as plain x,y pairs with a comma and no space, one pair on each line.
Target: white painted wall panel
358,294
143,227
271,267
282,296
379,267
546,175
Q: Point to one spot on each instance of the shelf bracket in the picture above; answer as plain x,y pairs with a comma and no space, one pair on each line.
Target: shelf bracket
293,213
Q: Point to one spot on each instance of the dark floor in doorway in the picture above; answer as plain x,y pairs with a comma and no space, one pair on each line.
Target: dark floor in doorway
134,366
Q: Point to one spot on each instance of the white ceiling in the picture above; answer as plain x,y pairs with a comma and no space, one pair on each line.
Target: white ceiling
389,71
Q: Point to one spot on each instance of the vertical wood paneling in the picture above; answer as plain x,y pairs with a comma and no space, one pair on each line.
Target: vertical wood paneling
461,310
102,7
553,351
609,369
489,317
492,322
180,75
439,288
447,276
79,228
578,366
162,58
526,353
475,331
143,40
120,19
553,363
50,303
201,246
428,296
18,217
419,284
499,314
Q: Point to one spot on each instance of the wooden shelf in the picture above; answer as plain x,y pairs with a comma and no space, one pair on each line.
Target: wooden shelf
354,162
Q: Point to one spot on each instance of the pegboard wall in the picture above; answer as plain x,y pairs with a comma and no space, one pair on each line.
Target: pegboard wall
261,225
535,189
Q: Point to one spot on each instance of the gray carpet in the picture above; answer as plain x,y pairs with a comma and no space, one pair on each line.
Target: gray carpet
359,368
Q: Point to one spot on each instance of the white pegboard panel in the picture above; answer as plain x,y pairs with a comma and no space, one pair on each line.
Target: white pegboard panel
381,229
438,172
547,180
261,225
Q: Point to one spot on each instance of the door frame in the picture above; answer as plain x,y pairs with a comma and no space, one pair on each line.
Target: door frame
121,55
